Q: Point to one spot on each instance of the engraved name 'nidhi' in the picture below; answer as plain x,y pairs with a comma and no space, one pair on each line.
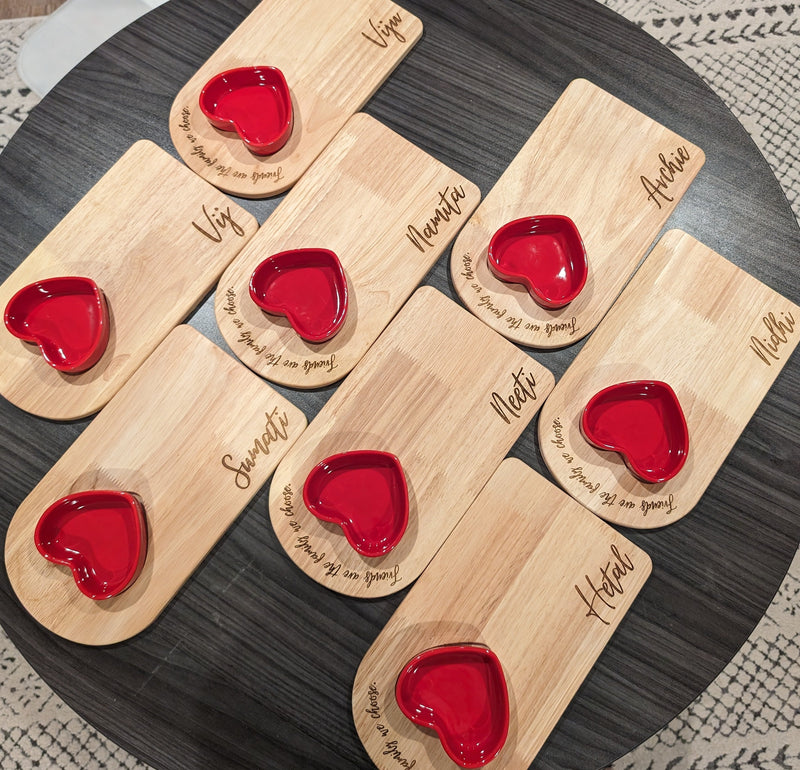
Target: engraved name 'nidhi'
447,207
779,329
599,596
524,389
385,30
666,175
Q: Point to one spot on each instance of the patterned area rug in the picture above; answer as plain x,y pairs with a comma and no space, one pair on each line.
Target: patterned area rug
749,718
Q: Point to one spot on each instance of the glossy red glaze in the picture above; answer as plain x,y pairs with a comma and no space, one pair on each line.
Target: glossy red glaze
545,254
365,493
644,422
308,286
252,101
66,317
460,692
100,535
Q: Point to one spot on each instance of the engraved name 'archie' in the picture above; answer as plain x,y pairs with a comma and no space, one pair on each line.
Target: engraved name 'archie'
669,169
779,329
524,388
446,207
274,430
218,221
601,595
385,30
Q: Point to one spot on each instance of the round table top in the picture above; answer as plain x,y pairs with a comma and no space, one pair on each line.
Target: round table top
261,676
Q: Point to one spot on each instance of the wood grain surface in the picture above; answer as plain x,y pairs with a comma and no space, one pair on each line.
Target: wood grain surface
714,334
386,209
189,406
444,394
531,575
253,663
334,54
616,173
155,238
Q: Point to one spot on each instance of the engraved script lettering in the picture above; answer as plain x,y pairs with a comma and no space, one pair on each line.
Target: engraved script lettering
599,596
779,329
395,753
219,221
666,174
511,405
274,430
446,207
384,31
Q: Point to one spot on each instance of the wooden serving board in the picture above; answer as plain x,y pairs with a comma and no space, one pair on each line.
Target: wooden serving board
448,397
334,55
155,238
708,329
195,435
387,209
530,574
612,170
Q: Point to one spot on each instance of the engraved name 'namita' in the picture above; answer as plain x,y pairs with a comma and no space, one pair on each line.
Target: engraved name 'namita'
446,207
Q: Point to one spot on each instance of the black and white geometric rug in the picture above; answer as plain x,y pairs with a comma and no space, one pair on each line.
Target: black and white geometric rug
749,717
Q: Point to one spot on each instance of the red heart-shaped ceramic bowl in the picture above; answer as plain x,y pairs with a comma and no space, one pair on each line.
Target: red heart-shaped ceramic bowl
308,286
252,101
545,254
66,317
459,691
365,493
643,421
101,535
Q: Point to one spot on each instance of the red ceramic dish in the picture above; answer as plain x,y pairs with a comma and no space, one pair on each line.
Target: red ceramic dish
644,422
100,535
365,493
460,692
66,317
545,254
308,286
252,101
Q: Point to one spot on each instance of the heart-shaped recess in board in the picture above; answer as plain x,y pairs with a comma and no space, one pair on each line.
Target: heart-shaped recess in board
545,254
101,535
643,421
460,692
67,317
365,493
308,286
252,101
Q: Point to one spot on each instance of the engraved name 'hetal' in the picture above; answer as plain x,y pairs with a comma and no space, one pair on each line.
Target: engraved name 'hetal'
446,207
670,168
384,31
601,594
274,430
778,331
218,221
523,389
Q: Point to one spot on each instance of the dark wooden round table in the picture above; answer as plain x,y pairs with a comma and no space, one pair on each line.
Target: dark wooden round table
252,664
